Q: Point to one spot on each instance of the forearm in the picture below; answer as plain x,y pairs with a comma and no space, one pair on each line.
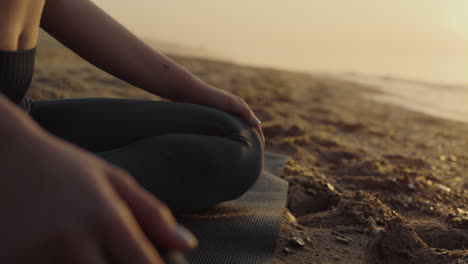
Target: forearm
98,38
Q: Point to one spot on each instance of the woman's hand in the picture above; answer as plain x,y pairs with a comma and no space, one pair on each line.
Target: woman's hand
202,93
236,105
62,204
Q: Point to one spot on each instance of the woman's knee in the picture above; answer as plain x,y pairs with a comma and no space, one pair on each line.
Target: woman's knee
250,163
232,169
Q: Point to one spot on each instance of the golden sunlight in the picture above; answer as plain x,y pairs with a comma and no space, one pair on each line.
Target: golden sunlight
457,19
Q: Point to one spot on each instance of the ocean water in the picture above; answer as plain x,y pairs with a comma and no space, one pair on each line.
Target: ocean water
444,101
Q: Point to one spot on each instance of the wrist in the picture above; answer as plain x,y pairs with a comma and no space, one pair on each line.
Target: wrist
191,89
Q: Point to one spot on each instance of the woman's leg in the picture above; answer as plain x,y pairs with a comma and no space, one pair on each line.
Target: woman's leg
190,156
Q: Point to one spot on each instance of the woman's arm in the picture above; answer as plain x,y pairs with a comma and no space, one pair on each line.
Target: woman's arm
65,205
98,38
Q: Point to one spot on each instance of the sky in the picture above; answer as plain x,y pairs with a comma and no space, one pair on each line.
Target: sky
415,39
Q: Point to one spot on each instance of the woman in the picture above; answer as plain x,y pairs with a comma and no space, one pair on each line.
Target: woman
65,187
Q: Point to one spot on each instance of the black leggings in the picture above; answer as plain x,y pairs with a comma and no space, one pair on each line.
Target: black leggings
191,157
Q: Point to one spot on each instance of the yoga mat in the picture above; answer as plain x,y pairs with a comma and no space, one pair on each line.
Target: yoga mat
244,230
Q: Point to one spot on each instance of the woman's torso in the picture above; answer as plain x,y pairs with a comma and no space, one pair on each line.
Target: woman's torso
19,23
19,29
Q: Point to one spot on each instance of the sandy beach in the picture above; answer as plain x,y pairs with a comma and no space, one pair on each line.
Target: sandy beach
370,182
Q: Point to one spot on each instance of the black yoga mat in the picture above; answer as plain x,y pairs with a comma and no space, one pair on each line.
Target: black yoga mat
245,230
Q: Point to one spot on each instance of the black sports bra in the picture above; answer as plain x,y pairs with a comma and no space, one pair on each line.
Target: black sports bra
16,72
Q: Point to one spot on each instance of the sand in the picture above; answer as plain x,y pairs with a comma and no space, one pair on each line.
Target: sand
369,182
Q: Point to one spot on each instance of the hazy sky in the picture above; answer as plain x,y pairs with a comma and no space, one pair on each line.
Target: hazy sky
421,39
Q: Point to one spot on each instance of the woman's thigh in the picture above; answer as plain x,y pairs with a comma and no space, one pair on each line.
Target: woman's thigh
101,124
191,157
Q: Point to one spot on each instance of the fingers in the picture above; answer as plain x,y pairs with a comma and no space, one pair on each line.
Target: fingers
123,240
154,217
257,124
260,132
246,113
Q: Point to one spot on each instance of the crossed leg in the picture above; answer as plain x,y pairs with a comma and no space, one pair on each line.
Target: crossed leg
191,157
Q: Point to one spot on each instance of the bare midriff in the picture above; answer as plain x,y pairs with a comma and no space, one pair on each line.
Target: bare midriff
19,24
